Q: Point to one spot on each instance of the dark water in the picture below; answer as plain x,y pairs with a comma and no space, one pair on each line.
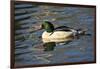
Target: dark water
27,19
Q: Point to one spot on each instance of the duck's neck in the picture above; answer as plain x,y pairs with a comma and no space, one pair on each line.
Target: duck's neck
50,31
48,27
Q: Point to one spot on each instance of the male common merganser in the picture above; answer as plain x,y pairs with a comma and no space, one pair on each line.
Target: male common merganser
59,34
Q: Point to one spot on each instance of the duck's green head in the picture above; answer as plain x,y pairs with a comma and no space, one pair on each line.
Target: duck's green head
48,26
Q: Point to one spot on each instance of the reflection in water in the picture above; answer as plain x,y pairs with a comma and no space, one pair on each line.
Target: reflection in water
49,46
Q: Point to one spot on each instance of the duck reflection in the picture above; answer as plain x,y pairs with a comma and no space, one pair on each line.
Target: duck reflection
49,46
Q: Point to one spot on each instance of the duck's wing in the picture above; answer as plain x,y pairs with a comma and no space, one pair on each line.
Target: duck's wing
63,28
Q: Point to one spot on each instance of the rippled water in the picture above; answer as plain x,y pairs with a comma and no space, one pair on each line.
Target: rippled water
27,39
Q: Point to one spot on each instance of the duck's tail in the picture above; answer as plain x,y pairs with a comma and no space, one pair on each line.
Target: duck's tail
81,31
77,33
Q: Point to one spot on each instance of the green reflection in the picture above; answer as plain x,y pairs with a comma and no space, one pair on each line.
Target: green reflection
49,46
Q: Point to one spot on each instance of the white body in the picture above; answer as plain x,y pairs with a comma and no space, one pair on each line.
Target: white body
57,36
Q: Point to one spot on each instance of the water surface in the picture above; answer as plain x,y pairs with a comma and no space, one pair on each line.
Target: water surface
27,19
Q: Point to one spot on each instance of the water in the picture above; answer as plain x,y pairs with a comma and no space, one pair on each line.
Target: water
28,42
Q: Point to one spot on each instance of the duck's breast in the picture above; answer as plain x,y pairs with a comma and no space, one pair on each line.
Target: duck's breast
57,36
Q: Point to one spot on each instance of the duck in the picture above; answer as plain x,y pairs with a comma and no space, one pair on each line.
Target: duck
58,34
